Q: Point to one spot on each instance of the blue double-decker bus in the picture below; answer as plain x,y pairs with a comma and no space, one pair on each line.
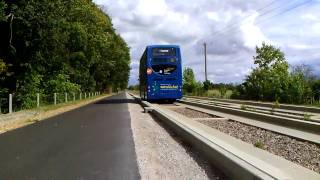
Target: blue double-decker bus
160,73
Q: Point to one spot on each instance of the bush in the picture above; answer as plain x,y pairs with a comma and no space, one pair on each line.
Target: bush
213,93
259,144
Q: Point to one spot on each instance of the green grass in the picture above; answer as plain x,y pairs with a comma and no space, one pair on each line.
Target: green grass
50,107
259,144
307,117
215,93
243,107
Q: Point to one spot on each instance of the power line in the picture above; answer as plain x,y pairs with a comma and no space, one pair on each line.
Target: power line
287,10
246,17
261,15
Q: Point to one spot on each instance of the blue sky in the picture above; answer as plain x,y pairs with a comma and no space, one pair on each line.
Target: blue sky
231,28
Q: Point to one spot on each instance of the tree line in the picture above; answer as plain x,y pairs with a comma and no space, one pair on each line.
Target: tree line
58,46
272,79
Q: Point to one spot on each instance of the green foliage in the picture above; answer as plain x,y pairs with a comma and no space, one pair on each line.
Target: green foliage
307,116
213,93
3,67
276,104
189,81
243,107
28,89
61,84
259,144
223,91
3,6
60,46
270,79
207,85
134,87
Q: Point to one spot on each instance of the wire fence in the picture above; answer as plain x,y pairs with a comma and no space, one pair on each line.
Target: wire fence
12,102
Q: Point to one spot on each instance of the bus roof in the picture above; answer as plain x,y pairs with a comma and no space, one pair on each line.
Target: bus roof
155,46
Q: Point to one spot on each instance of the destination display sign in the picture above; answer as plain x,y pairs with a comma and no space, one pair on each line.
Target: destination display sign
163,52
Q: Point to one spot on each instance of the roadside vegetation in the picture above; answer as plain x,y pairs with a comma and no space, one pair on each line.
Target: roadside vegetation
272,80
58,46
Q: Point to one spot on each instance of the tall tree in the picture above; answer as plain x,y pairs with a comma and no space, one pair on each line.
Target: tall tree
270,79
60,46
189,80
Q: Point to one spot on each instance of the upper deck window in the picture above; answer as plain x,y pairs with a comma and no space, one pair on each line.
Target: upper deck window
163,60
165,51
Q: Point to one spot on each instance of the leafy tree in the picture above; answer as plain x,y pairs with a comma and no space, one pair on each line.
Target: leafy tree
316,89
207,85
189,80
3,6
300,89
270,79
71,43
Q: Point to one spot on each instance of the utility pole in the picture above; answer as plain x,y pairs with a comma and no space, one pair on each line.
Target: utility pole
205,61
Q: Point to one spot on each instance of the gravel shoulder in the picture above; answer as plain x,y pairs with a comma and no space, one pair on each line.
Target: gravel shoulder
161,155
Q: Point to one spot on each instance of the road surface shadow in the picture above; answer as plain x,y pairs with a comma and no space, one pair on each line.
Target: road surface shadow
116,101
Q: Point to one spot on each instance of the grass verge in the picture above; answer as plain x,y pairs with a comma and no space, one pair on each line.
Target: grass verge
25,117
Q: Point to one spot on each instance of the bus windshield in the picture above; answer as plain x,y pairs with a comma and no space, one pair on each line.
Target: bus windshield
164,69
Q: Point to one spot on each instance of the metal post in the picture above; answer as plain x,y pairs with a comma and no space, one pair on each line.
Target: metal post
74,96
38,100
10,103
205,61
55,98
66,97
85,95
80,96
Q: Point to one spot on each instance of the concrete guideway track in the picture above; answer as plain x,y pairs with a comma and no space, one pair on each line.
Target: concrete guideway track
91,142
295,128
310,109
237,159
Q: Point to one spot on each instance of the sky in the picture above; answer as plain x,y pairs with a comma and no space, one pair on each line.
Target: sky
231,28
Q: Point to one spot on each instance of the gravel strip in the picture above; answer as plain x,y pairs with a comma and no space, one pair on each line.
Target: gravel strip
190,113
161,155
300,152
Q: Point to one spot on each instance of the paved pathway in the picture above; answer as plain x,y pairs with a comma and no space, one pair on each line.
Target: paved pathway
91,142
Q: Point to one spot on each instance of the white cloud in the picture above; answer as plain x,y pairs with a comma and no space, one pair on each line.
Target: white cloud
310,17
252,33
231,29
151,8
213,16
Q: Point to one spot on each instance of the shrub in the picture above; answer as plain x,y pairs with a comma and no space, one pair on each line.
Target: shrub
243,107
259,144
307,116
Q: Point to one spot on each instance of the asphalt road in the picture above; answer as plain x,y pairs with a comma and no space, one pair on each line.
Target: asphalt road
91,142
